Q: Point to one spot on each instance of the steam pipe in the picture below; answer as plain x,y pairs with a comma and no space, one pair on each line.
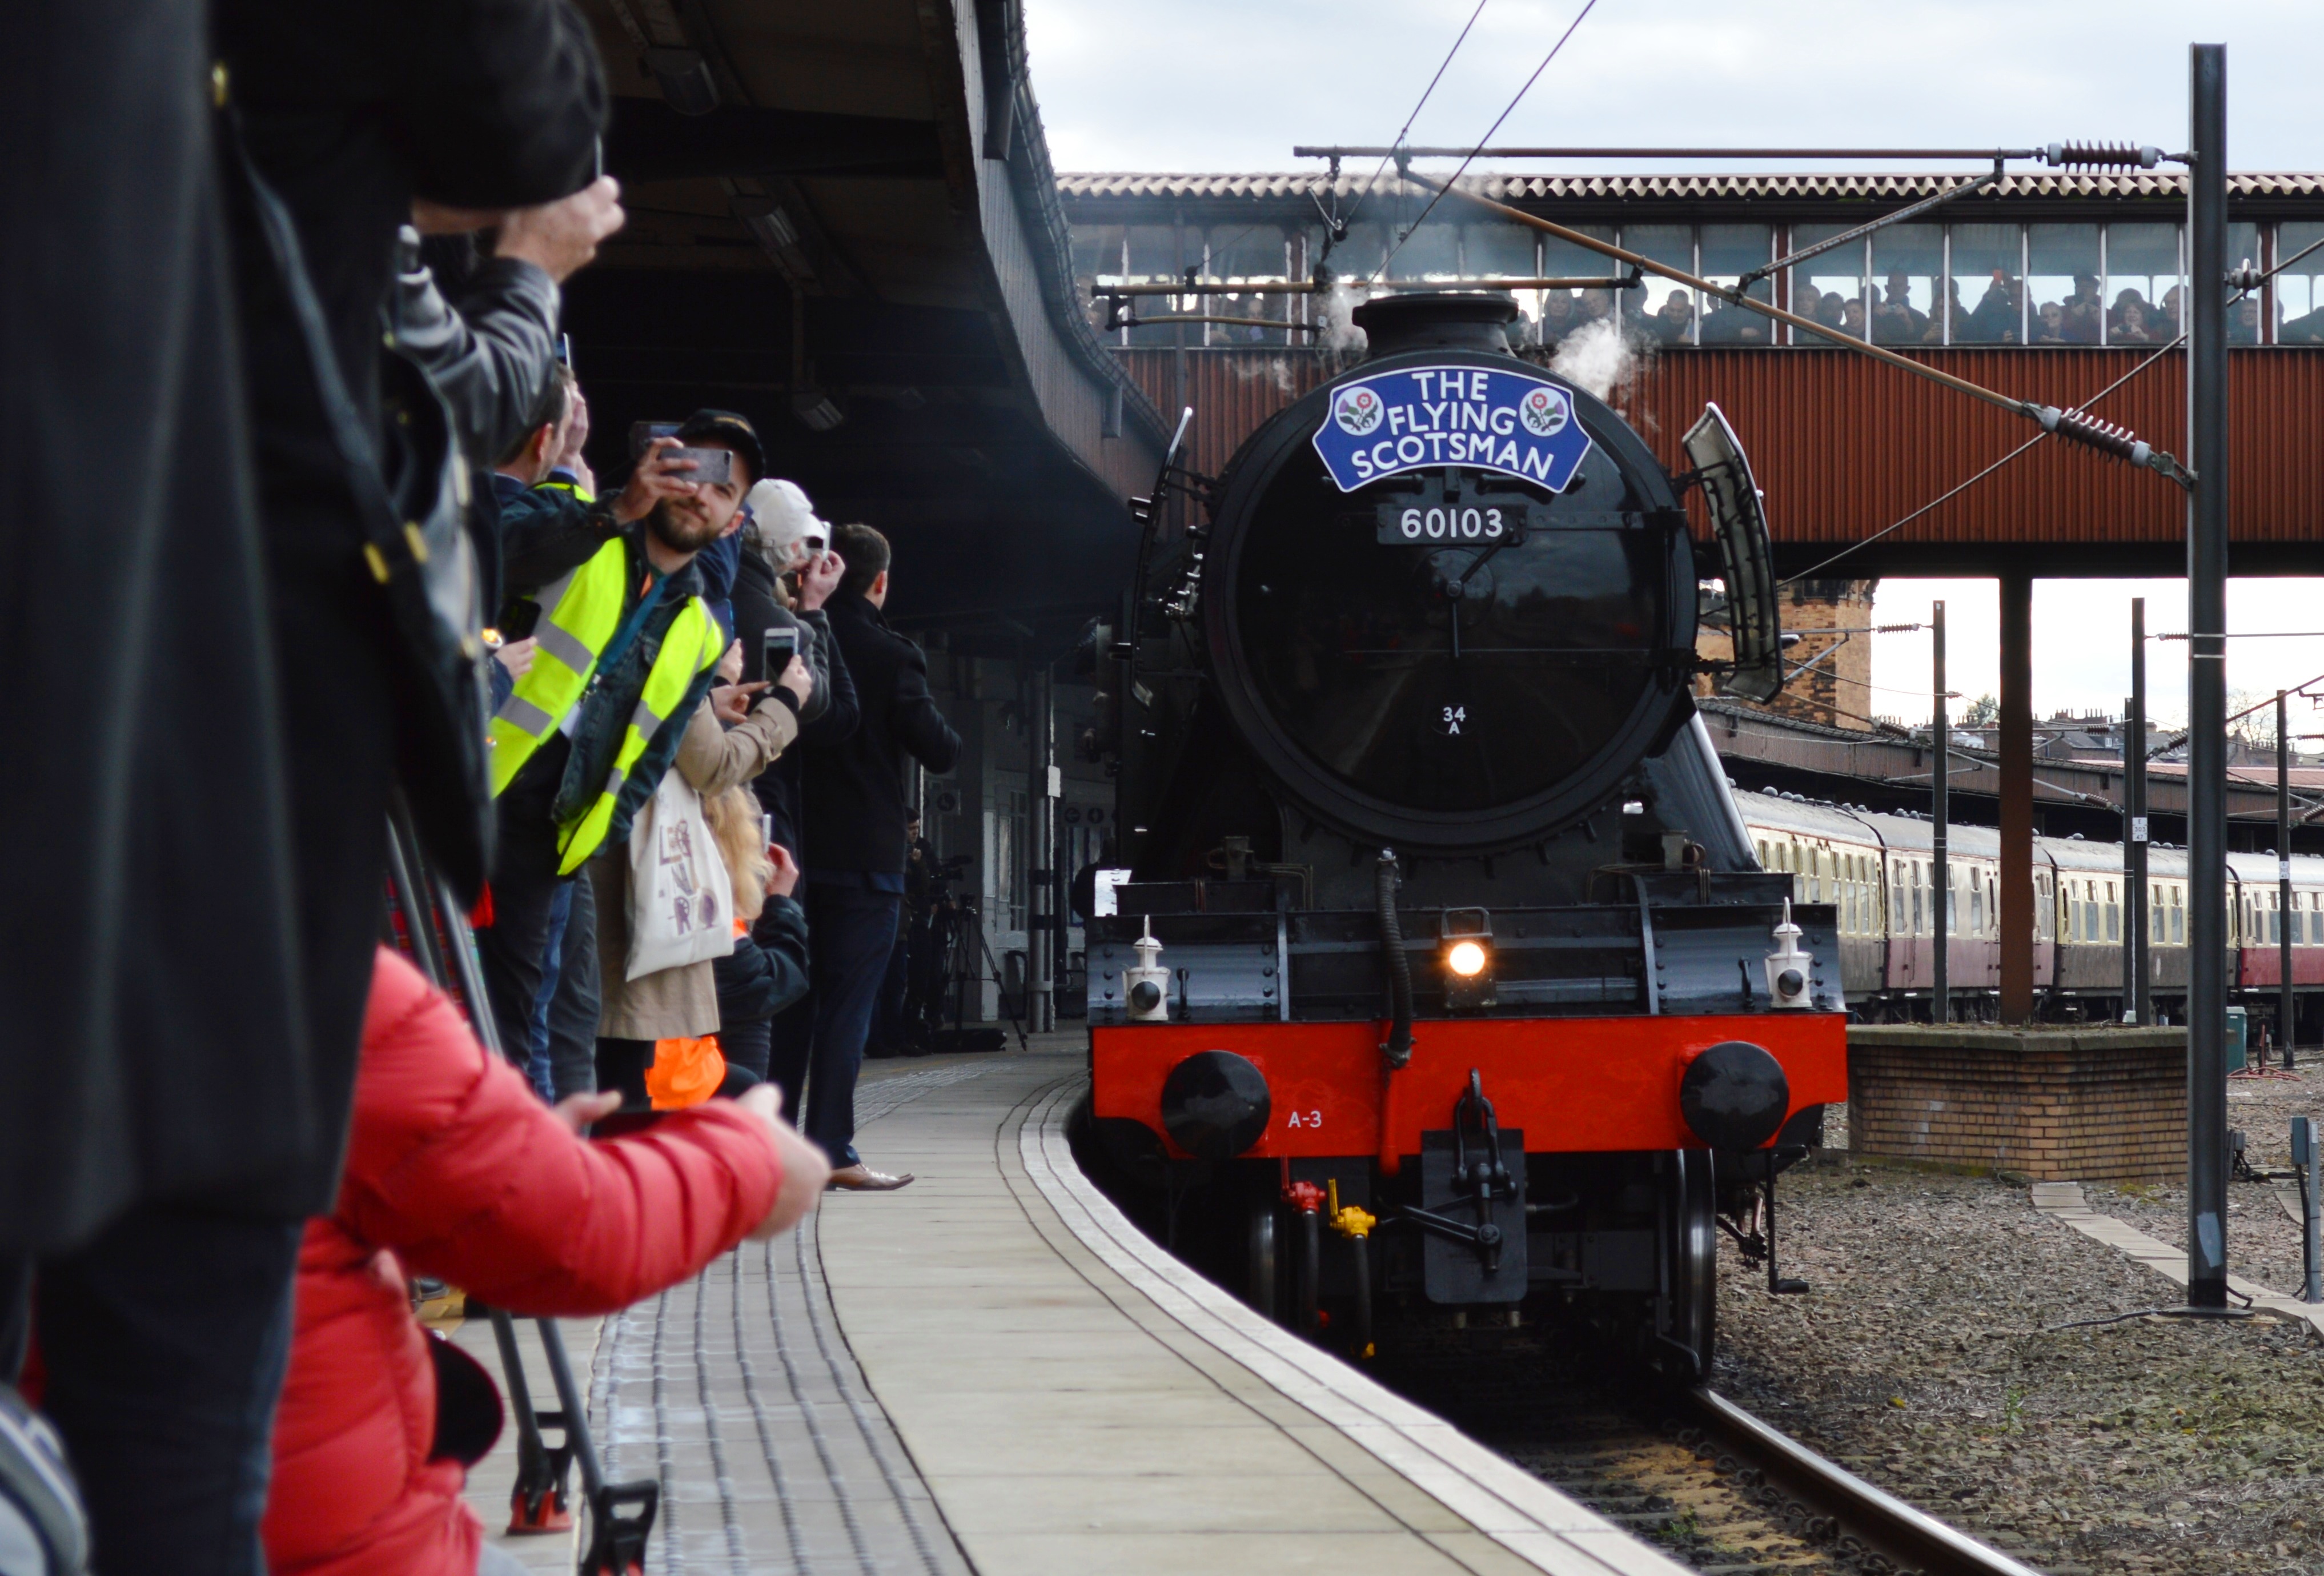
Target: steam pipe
1397,1050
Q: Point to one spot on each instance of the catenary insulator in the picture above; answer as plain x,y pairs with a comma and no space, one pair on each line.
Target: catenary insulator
2096,432
2100,156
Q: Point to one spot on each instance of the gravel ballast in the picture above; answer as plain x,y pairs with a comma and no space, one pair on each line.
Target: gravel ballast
1926,1358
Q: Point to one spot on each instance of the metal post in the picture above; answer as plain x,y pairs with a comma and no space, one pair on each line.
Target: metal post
2138,1003
2017,928
2206,577
1940,995
2305,1168
1039,937
2283,915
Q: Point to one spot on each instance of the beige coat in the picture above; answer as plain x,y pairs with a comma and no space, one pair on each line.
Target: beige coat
681,1001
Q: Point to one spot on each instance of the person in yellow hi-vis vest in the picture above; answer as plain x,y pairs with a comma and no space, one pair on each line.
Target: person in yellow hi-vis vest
624,654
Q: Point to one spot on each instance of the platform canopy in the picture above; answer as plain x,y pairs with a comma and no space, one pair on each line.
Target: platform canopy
843,224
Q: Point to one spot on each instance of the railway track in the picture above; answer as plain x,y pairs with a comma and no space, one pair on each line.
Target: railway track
1712,1485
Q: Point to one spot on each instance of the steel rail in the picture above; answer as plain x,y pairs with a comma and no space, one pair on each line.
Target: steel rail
1913,1539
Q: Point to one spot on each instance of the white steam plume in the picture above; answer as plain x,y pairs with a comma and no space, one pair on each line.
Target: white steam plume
1595,356
1340,331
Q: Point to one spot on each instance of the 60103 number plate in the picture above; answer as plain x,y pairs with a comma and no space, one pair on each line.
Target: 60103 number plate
1443,509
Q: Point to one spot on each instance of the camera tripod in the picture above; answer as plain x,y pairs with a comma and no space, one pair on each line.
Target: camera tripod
956,932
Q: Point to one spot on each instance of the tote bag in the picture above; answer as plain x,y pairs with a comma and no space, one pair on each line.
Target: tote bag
681,903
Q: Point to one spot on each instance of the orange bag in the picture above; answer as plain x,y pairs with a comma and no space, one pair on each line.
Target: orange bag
684,1072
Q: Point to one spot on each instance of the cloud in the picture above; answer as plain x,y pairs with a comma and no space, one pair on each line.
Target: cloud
1203,85
2082,644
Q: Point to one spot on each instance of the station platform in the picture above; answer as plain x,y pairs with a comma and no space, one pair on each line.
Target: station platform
994,1371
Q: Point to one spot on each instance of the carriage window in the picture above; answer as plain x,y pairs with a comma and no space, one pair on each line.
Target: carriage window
1659,309
2142,291
1728,252
1830,286
1246,254
2113,914
1563,312
2064,277
2177,917
1987,281
1907,263
2300,289
1976,907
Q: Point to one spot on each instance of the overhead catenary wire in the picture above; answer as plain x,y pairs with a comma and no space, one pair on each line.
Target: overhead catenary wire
1524,88
1422,103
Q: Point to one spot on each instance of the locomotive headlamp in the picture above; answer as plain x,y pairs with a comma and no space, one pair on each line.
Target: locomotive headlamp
1468,957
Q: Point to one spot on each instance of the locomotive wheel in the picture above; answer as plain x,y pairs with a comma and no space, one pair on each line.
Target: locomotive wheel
1687,1319
1262,1280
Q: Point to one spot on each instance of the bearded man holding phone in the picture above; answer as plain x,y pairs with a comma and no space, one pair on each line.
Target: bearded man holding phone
626,651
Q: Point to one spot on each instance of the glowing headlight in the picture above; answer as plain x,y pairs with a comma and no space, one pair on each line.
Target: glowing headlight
1466,958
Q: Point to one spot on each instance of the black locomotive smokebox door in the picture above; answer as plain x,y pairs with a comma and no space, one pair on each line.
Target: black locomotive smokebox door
1455,1272
1735,1096
1215,1105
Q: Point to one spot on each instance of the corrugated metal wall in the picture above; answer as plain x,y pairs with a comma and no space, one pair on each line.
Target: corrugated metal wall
1844,447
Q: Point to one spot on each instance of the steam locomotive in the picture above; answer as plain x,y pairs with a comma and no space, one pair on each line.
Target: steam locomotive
1444,984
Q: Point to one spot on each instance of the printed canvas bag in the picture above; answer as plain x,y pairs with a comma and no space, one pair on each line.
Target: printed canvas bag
681,903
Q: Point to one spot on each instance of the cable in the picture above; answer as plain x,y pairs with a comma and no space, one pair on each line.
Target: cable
1357,207
1411,229
2116,1319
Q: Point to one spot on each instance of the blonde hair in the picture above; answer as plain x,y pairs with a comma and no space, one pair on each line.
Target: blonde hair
735,825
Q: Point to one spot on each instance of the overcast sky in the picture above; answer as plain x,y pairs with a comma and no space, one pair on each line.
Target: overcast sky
1202,84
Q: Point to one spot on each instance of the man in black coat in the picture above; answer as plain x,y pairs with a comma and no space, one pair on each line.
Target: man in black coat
200,680
852,805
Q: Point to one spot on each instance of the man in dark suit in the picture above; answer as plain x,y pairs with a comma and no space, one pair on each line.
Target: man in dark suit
852,805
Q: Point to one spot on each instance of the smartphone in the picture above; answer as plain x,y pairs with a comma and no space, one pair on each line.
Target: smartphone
710,464
777,648
643,433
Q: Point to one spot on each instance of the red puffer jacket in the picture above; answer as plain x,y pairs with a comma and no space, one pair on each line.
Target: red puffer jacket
454,1169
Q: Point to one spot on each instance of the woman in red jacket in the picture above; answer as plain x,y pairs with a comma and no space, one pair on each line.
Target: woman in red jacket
454,1169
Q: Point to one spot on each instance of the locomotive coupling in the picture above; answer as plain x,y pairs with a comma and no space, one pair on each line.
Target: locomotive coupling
1791,972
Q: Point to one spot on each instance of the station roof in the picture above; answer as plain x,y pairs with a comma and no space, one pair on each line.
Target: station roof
843,224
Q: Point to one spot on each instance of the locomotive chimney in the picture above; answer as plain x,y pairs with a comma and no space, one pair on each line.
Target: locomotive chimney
1437,321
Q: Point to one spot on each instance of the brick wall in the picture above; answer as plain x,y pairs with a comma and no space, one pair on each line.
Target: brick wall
1835,691
2083,1105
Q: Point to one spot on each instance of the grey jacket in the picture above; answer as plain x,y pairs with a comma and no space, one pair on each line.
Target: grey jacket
489,352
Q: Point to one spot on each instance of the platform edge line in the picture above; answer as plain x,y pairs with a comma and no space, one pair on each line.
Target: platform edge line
1306,1375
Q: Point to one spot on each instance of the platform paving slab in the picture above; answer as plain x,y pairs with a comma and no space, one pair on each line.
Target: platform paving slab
1079,1401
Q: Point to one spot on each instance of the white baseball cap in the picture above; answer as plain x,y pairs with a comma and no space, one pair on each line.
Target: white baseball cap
786,521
